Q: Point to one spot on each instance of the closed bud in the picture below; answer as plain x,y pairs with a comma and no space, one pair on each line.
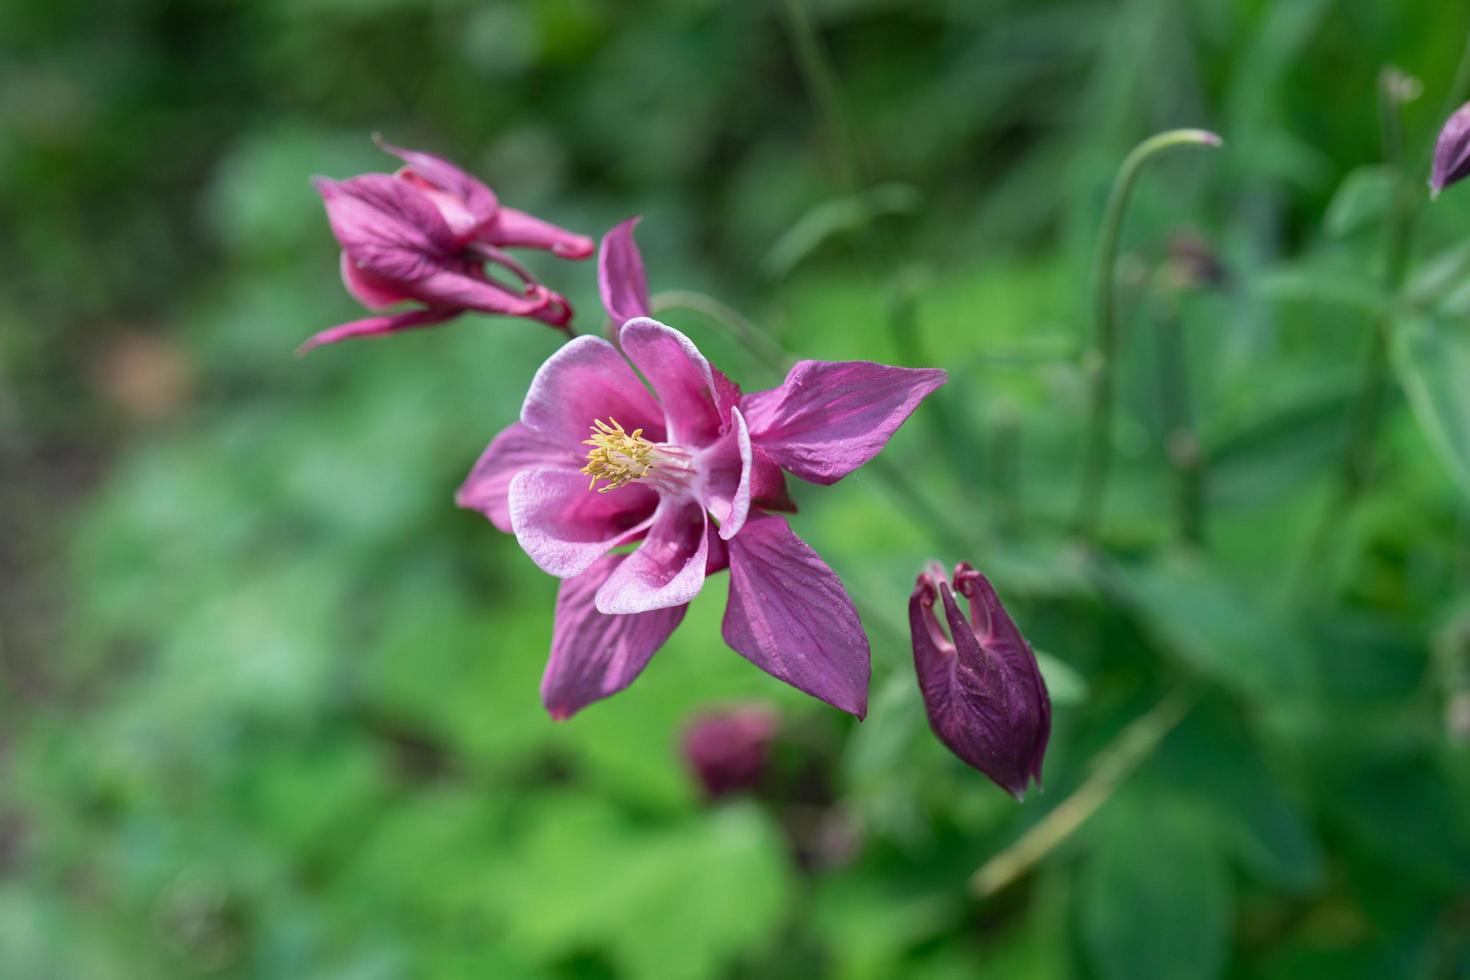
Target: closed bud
727,750
982,690
1452,151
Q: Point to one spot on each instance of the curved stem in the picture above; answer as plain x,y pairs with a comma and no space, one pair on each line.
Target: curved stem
756,340
1097,450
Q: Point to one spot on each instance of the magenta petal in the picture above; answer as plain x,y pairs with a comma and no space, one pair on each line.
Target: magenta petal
476,199
517,228
1451,151
387,226
830,417
587,379
450,285
790,616
375,326
621,280
565,527
668,567
594,655
730,477
371,291
516,448
680,376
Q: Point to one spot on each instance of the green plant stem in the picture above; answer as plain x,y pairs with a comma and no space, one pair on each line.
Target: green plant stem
1115,763
1097,451
952,441
1181,443
821,80
756,340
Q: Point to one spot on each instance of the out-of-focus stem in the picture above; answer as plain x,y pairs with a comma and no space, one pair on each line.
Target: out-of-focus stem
1112,766
821,80
756,340
1180,441
1097,452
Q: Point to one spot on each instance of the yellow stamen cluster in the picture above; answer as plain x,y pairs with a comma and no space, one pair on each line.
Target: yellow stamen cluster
616,456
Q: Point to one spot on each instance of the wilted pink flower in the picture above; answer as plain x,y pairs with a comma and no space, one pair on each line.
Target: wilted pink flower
426,234
691,473
1451,151
982,690
727,750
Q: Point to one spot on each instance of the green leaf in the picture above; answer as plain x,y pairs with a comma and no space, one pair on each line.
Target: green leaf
1363,196
1155,894
1433,363
1217,627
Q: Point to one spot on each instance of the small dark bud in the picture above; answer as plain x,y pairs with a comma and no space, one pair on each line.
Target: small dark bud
1452,151
727,750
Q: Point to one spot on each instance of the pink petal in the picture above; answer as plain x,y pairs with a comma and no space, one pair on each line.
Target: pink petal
455,284
470,195
729,479
565,527
594,655
668,567
517,228
516,448
790,616
387,226
679,375
375,326
371,291
587,379
621,280
830,417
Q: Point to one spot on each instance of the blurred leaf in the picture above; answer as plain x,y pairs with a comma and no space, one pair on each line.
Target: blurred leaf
1216,627
1154,894
1065,685
1433,362
1363,196
842,216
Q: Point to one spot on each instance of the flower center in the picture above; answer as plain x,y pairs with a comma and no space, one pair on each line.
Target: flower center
621,457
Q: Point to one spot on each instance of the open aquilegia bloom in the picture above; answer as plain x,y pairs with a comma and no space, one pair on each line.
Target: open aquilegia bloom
982,690
691,472
1451,151
425,235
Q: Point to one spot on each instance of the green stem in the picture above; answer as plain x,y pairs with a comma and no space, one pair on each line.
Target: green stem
821,80
1111,767
756,340
1181,443
1097,452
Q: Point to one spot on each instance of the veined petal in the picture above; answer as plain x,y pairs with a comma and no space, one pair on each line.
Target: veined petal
593,654
516,448
473,196
790,616
387,226
668,567
830,417
564,527
621,280
376,326
587,379
449,285
374,292
518,229
679,375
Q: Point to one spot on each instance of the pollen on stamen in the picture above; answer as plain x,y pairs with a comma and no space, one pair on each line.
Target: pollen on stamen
617,456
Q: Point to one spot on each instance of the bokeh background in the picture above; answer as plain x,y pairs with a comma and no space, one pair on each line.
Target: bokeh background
268,701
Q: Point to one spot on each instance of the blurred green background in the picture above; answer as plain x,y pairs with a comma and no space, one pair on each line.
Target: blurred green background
269,707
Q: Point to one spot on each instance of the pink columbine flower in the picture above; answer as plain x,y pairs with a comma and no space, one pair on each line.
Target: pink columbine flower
982,690
426,235
727,749
692,472
1451,151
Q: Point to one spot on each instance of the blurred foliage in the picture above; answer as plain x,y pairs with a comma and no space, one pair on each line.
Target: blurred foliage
269,699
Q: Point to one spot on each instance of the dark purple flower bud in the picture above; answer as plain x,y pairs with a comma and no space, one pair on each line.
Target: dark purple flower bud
727,750
1452,151
982,690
